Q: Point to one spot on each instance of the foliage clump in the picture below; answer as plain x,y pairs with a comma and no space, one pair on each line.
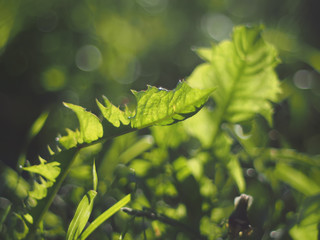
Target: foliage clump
179,180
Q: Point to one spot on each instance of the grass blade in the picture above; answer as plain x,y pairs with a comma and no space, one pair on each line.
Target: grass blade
104,216
81,216
94,176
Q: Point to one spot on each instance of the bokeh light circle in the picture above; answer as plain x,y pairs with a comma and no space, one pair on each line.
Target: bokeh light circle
88,58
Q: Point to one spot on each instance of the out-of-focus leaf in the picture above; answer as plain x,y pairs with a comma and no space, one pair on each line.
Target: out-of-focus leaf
136,149
105,215
184,167
5,207
222,146
13,183
170,136
196,168
202,127
38,124
254,140
205,53
243,72
292,156
81,173
141,166
236,172
22,231
110,160
310,206
181,168
308,220
49,170
34,130
242,69
81,216
307,229
8,12
296,179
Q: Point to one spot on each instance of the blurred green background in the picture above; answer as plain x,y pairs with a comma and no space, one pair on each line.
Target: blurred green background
76,51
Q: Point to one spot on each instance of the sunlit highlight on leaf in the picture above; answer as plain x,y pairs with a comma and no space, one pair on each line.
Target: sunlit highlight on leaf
113,114
90,126
49,170
155,106
162,107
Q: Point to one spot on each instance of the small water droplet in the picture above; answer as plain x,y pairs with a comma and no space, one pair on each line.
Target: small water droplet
162,89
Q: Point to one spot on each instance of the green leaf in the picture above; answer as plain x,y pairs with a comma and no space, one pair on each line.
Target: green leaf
40,189
34,130
104,216
205,53
90,125
243,72
71,139
22,230
170,136
65,159
155,106
49,170
235,170
158,106
222,146
296,179
94,176
13,183
181,168
81,216
4,211
292,156
9,12
38,124
307,229
113,114
310,206
202,127
139,147
308,219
